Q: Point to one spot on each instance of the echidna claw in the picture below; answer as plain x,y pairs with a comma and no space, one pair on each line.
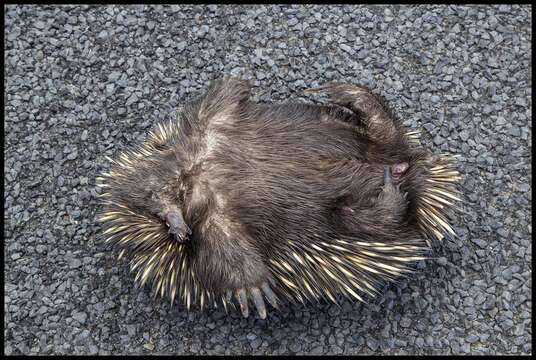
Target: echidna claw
270,296
259,302
242,298
256,295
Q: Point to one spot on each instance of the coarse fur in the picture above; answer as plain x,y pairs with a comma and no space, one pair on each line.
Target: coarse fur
286,196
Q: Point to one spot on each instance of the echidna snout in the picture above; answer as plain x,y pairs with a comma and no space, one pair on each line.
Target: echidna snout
240,203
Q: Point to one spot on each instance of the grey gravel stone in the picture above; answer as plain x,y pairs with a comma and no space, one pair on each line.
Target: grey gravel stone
80,317
347,48
85,81
114,76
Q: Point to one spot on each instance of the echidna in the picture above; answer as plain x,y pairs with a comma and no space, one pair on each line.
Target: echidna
270,201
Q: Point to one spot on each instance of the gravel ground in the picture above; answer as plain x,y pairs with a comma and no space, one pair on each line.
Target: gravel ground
83,82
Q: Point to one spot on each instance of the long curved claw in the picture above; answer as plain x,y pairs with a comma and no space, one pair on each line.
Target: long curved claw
227,300
242,298
270,296
258,301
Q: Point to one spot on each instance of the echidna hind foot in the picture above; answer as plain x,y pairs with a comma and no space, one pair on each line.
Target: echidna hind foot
240,203
256,295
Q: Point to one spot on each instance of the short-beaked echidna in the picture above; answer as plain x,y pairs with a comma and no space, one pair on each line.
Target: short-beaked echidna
270,201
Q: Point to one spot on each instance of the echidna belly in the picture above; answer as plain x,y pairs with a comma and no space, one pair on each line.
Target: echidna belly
283,201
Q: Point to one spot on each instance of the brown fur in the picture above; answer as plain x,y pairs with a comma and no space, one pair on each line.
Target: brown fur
251,179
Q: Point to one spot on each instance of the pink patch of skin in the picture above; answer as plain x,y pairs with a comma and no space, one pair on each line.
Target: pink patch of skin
399,169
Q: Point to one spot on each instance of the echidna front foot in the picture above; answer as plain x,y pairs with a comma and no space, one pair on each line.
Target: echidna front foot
178,228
